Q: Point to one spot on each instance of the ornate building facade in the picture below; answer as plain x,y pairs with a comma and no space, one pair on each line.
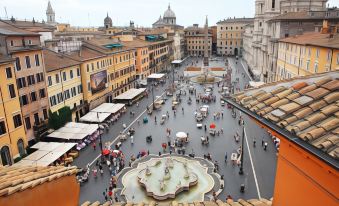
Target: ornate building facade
264,40
169,20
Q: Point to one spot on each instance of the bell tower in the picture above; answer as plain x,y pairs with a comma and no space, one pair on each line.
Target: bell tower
50,14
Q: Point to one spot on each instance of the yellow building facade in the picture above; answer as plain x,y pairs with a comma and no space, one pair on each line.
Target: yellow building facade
13,140
230,35
307,54
64,86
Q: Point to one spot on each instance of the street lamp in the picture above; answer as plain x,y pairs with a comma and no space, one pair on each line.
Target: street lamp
100,140
241,171
153,94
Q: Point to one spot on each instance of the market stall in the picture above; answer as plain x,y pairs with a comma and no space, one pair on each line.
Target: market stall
131,96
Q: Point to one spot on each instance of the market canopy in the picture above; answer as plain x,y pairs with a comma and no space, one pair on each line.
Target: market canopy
95,117
46,154
181,135
130,94
177,61
109,108
72,130
156,76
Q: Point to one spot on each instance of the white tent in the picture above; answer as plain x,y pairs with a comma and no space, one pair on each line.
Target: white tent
93,117
108,108
72,131
130,94
156,76
181,135
46,154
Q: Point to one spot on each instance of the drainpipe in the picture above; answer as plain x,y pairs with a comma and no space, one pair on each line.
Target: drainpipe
299,60
332,50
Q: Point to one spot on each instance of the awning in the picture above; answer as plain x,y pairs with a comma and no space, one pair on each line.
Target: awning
47,153
108,108
95,117
130,94
156,76
72,130
176,62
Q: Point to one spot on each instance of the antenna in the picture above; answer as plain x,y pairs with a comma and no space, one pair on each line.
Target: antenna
6,12
89,22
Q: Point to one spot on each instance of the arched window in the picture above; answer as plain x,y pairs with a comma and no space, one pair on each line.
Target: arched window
6,156
21,147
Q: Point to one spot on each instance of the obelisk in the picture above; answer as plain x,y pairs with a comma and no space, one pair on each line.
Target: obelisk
206,56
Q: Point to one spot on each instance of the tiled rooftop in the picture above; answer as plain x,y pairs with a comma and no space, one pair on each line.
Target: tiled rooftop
240,202
15,179
307,107
314,39
55,61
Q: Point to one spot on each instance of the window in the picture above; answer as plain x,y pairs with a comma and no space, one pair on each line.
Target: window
52,100
33,96
87,67
42,93
29,42
79,89
57,79
2,128
273,4
67,96
73,91
21,147
78,71
37,60
9,72
21,82
11,43
40,77
49,79
316,68
60,97
308,65
36,118
71,74
17,120
317,54
28,62
31,80
28,123
44,111
17,64
64,76
329,55
24,100
11,90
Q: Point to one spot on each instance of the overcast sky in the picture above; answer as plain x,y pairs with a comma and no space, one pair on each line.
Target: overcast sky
142,12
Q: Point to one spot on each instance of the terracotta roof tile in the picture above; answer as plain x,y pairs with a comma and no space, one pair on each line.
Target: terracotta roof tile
317,93
15,178
332,85
299,85
308,107
308,89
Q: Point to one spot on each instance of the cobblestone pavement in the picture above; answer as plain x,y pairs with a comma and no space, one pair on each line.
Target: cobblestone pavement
263,162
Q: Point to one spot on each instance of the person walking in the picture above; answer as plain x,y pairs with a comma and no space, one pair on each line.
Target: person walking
225,157
265,146
132,139
254,142
94,146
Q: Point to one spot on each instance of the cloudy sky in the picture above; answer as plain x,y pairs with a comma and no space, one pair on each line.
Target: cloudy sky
142,12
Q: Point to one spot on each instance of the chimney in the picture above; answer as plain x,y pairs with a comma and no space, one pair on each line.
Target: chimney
324,29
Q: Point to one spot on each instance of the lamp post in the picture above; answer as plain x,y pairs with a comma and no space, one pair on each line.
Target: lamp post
100,140
241,171
153,94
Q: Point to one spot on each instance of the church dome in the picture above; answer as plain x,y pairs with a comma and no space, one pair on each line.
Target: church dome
108,21
169,13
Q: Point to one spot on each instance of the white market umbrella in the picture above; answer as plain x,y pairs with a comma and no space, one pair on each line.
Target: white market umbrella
181,135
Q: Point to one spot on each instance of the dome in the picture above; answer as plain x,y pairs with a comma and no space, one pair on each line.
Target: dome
107,19
169,13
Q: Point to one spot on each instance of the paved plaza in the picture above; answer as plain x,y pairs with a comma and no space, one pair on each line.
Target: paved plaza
259,165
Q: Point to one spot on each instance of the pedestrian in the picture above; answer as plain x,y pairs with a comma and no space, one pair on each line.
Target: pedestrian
182,109
254,141
101,170
205,128
225,156
147,152
124,125
222,131
94,146
159,153
132,139
167,114
262,142
105,196
265,146
155,119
